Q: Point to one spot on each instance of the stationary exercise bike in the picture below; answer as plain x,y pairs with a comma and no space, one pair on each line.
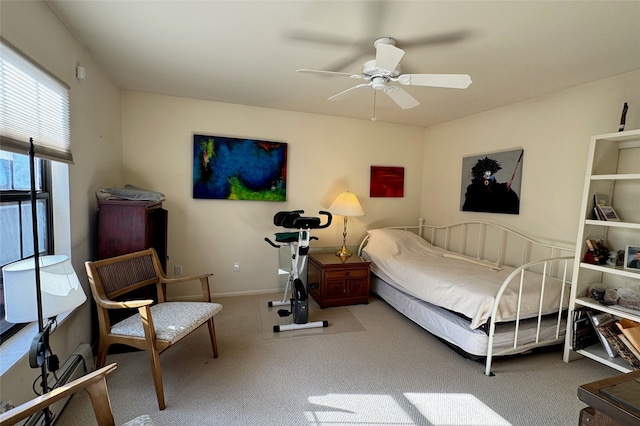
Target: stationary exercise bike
298,242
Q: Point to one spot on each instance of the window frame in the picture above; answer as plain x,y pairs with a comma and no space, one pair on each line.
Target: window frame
8,329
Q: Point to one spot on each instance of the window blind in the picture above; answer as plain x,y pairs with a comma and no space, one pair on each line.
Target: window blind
33,104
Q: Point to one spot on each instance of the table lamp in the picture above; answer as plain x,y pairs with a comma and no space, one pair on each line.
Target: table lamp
346,205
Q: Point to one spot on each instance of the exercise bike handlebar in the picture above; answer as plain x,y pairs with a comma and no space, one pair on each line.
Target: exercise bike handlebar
329,218
294,220
272,243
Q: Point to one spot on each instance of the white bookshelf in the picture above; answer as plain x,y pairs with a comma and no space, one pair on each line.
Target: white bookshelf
613,168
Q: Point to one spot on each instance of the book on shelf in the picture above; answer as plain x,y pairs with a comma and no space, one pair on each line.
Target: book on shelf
584,334
601,319
629,346
610,331
606,213
599,200
631,331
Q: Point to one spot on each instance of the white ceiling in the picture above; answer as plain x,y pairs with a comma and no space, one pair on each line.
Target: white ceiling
247,52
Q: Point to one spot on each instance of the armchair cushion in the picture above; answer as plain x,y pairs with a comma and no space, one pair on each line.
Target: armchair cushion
171,320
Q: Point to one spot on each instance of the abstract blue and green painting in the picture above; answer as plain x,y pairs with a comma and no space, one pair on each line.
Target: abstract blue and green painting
239,169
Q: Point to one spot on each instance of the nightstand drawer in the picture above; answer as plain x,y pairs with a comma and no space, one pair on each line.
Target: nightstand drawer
351,273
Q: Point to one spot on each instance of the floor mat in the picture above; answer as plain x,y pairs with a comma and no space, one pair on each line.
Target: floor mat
340,319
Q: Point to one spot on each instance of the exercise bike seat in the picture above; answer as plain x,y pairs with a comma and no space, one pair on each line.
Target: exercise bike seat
286,237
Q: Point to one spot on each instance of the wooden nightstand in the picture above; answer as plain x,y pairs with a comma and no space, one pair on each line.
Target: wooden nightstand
339,283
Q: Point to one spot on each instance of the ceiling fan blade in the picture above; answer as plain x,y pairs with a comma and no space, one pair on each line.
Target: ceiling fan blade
345,93
317,37
451,81
444,38
388,57
401,97
329,73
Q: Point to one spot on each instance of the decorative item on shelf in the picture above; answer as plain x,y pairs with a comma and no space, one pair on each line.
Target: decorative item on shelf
346,205
632,258
597,253
623,118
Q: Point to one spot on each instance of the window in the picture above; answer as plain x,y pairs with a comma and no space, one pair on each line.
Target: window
16,225
34,105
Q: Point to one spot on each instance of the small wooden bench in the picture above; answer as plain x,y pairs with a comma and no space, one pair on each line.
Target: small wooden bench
155,326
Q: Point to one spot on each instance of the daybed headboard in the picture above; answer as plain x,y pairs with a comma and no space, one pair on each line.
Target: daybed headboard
488,242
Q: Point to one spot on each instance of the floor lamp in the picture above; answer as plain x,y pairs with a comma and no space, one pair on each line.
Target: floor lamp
346,205
39,288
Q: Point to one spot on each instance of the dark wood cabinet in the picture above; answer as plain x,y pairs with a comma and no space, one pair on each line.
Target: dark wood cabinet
128,226
336,283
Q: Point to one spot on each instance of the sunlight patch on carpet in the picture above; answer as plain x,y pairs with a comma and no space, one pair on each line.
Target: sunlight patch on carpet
459,409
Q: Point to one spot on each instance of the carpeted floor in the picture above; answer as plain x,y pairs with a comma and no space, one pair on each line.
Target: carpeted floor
371,366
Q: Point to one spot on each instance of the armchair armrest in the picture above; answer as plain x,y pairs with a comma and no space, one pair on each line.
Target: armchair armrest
175,280
127,304
94,383
204,282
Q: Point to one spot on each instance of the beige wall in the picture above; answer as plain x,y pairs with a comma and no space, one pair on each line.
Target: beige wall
326,155
554,131
96,144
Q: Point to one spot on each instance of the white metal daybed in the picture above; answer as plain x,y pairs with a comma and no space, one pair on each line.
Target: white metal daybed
484,289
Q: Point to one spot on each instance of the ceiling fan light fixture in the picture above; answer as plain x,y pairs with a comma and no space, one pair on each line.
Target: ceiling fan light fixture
369,69
379,83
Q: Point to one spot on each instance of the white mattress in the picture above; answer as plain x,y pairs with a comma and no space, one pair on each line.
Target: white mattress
455,329
464,285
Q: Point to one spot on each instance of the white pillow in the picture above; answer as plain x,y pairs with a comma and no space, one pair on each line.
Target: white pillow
390,242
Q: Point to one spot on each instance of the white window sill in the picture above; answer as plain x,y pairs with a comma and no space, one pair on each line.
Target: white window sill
17,346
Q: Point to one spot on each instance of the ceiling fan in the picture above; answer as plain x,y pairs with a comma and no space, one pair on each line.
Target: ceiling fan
381,72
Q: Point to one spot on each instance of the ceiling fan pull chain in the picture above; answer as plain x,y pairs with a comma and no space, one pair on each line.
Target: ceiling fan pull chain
374,106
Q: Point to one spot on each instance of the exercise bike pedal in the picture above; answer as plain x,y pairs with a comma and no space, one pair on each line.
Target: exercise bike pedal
284,312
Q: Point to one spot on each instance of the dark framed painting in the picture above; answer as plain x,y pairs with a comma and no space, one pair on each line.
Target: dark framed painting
239,169
491,182
386,181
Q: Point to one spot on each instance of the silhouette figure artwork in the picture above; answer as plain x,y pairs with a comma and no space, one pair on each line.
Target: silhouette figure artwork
486,193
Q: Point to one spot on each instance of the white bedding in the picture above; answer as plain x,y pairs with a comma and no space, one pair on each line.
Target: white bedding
467,286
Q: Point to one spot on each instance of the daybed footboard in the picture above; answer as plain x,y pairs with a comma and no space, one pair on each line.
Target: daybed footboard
516,280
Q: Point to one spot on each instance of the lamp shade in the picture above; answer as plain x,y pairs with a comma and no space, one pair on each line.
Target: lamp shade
347,204
60,288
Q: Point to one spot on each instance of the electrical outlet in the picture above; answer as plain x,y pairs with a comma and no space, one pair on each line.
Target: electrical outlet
236,266
177,270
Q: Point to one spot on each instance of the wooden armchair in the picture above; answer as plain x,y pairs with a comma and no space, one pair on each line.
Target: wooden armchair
155,327
94,383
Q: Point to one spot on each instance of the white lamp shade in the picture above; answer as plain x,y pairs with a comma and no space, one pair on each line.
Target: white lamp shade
61,290
347,204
